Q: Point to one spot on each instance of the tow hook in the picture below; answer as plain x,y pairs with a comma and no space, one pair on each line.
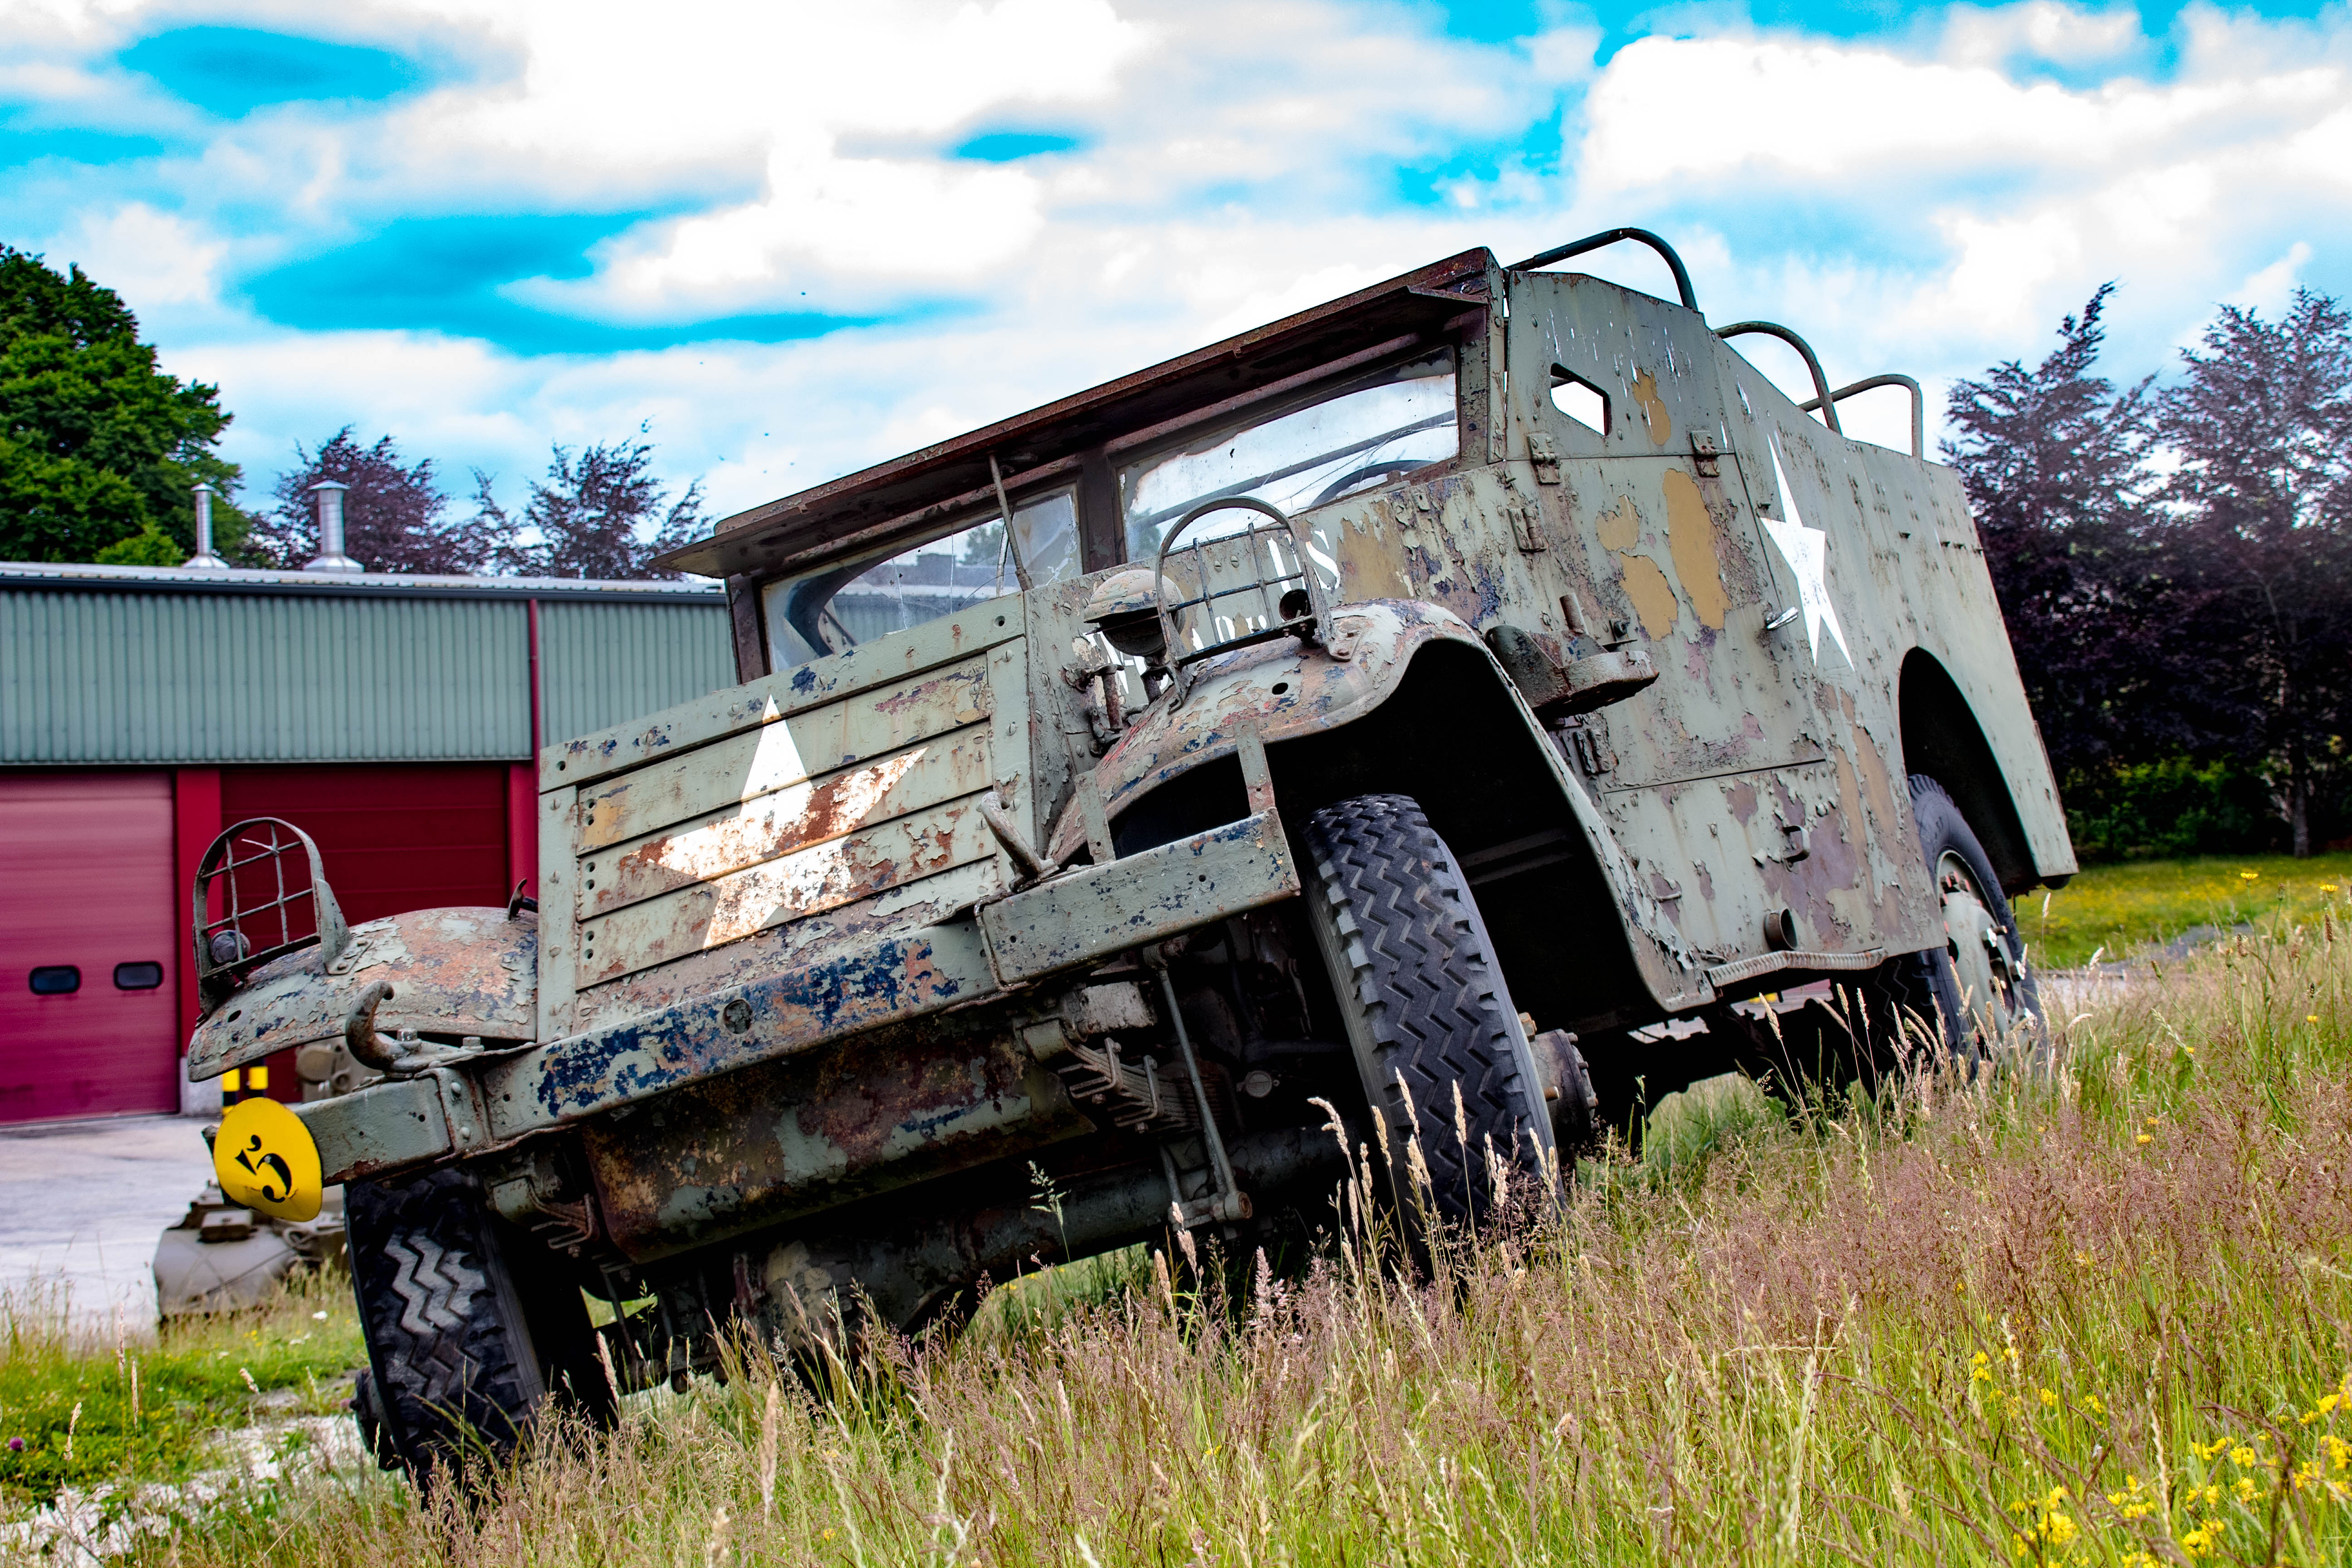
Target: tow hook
402,1056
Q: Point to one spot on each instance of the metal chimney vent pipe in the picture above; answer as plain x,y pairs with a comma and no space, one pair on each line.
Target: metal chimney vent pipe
330,556
203,560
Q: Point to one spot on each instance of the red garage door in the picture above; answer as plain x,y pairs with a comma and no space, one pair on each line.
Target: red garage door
393,837
89,935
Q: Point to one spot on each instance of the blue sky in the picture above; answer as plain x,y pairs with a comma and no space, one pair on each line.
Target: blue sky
799,239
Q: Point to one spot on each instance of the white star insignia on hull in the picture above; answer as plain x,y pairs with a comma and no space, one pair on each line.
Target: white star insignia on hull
1807,551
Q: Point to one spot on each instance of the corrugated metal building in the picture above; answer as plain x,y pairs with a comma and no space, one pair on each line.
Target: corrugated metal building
393,718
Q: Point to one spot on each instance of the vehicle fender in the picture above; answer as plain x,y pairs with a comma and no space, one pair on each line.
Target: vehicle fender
1285,688
453,971
1320,693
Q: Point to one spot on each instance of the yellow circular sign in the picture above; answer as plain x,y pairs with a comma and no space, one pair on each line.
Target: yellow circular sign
266,1160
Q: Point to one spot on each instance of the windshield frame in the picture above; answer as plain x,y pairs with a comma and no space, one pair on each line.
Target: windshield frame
1129,454
837,572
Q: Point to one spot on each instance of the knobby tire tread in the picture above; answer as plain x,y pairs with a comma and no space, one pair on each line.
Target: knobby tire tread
455,1371
1424,987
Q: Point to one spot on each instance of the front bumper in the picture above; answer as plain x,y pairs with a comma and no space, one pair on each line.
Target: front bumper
1003,949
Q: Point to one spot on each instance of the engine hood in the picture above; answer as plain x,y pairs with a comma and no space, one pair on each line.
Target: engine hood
452,971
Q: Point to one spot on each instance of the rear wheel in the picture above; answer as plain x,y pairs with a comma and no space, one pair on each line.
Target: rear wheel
474,1333
1976,986
1428,1016
1969,999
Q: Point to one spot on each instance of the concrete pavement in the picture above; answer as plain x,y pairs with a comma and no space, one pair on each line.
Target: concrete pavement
80,1205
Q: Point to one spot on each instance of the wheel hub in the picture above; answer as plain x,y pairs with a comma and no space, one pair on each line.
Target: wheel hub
1981,960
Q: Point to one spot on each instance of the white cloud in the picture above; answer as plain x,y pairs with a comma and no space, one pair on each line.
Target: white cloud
2038,30
1929,202
2269,291
155,258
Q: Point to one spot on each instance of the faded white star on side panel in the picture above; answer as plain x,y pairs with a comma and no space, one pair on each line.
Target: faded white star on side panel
1807,551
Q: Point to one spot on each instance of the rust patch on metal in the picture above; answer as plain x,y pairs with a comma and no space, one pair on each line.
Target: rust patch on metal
1692,539
1651,592
897,911
453,971
777,756
791,819
1620,528
826,877
1645,388
771,1143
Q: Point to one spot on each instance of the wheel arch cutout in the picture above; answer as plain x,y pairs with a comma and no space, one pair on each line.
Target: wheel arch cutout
1452,734
1942,739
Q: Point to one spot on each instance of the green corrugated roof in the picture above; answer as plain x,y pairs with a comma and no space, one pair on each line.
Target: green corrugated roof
132,666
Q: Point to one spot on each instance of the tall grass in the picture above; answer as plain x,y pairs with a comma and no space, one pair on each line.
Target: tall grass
2102,1315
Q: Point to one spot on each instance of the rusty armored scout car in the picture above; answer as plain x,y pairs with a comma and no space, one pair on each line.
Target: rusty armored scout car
1409,705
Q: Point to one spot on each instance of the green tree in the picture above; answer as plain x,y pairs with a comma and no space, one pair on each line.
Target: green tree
598,515
2262,524
100,451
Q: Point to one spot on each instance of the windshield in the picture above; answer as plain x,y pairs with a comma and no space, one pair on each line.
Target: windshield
1363,438
836,608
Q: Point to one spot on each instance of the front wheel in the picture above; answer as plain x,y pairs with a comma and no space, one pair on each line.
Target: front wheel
1439,1046
473,1331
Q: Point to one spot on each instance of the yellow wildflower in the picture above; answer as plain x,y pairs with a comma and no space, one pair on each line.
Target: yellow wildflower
2210,1451
1981,1368
2089,1405
2339,1452
2326,886
2244,1458
2249,876
2244,1490
2198,1542
2144,1138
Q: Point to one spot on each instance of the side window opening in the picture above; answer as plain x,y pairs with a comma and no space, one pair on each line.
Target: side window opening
835,608
1579,400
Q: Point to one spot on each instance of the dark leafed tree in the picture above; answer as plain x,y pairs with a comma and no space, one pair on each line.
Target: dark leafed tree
599,514
100,451
2055,461
395,513
2260,520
